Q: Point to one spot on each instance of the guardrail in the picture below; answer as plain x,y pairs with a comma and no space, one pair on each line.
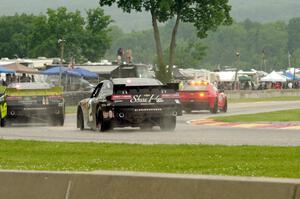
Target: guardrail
119,185
240,94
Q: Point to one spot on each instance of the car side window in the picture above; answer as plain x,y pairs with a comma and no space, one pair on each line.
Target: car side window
107,88
97,90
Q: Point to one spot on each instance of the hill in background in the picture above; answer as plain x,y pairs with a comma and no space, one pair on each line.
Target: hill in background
256,10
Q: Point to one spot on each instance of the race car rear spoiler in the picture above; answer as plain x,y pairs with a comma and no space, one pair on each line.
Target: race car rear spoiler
34,92
170,86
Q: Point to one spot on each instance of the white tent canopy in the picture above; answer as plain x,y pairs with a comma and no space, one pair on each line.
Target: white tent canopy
292,70
227,76
274,77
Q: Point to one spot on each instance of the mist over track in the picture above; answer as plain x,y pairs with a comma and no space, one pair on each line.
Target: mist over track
184,134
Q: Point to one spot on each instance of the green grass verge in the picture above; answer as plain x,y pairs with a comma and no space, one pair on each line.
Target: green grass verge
275,116
71,109
191,159
291,98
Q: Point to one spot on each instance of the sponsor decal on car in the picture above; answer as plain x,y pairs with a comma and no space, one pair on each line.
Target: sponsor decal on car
145,99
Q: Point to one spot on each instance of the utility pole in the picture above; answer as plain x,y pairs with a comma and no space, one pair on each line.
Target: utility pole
289,59
238,59
61,42
264,60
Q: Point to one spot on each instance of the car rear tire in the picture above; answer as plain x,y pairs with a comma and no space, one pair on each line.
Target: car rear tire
2,121
8,122
224,109
61,121
146,127
58,120
168,123
102,125
80,119
188,110
106,126
214,109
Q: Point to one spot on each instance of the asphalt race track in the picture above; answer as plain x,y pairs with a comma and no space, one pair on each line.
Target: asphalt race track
184,134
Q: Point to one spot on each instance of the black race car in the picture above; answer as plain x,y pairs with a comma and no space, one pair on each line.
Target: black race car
35,101
130,102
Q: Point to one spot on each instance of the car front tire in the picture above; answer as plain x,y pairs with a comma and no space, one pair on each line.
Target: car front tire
80,119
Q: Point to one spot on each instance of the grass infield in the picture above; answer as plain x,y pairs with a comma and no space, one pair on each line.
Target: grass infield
275,116
190,159
71,109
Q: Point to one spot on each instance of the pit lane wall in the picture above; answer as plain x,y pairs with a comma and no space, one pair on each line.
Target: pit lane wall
262,93
119,185
72,98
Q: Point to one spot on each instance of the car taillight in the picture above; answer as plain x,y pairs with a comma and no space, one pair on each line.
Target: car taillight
201,94
170,96
198,83
184,94
121,97
13,98
55,97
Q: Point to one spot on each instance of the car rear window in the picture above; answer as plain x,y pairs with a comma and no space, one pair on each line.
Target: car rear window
137,81
194,88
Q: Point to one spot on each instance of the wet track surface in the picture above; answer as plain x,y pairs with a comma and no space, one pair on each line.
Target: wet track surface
184,134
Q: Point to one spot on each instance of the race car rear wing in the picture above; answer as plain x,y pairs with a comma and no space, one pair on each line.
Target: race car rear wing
34,92
168,88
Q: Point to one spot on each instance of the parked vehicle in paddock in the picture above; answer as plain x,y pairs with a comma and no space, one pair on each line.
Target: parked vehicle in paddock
130,102
3,106
201,95
35,101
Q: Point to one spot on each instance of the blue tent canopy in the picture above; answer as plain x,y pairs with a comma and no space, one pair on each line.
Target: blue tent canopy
85,73
63,70
5,70
292,76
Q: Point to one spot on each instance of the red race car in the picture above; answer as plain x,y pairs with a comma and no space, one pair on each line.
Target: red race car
201,95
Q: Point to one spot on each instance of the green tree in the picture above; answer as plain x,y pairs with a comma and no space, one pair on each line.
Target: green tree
84,39
96,38
296,58
14,31
204,16
293,29
189,54
251,39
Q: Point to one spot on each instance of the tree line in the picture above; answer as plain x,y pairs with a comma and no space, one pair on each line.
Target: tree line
246,44
85,38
